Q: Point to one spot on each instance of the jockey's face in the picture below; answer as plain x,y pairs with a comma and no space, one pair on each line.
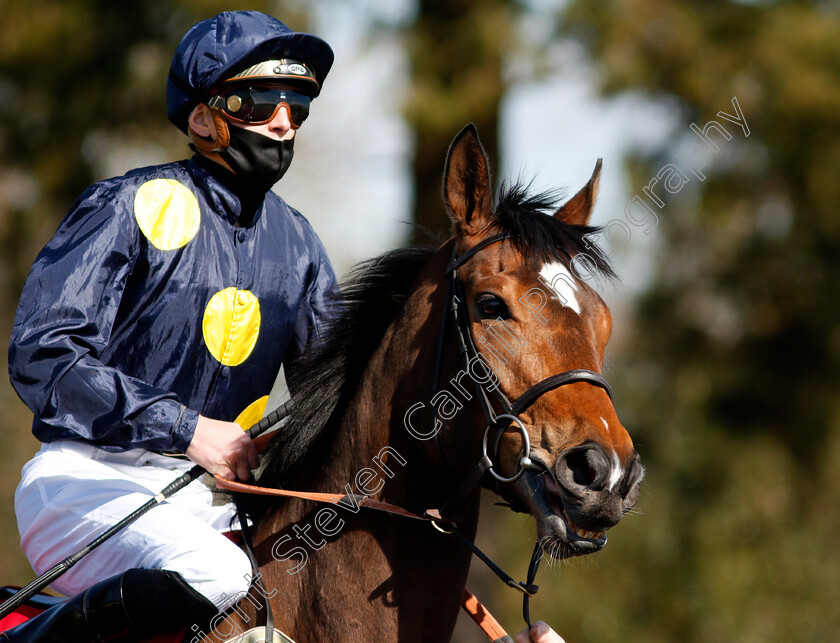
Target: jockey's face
278,128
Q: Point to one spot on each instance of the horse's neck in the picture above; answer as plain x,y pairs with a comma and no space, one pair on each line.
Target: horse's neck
400,570
372,432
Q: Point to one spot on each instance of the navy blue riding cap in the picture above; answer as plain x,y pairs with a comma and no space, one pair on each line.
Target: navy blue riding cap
219,47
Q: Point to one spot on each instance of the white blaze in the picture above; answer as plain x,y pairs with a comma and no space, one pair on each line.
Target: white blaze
561,282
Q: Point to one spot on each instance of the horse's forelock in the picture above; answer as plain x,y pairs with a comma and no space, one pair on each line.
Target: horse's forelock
541,237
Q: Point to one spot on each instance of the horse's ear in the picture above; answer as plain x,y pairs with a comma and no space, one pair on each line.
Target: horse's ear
466,182
578,209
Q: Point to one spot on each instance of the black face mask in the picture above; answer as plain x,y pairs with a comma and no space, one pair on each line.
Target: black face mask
258,161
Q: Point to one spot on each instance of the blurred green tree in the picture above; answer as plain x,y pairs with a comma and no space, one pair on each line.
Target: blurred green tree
456,52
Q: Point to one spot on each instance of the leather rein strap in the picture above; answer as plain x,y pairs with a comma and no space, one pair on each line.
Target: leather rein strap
358,500
484,619
489,625
354,500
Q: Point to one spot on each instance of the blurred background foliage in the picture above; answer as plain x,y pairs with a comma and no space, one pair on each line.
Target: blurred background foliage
726,372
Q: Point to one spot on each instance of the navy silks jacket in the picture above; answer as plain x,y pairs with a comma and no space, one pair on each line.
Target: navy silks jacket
150,306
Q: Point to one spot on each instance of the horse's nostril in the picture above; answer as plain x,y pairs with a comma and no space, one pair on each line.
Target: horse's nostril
586,467
583,473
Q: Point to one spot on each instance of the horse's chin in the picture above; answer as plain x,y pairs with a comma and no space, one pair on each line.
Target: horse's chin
560,537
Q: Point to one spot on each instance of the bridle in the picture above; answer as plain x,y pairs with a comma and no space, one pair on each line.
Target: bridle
497,423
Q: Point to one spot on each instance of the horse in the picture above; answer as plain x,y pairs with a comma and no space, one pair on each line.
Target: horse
412,385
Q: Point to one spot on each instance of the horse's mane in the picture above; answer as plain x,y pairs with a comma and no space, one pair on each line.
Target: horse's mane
324,380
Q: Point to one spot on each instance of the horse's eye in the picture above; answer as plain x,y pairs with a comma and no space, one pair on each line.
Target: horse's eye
492,306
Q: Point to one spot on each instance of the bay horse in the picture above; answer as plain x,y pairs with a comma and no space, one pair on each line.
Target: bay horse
393,406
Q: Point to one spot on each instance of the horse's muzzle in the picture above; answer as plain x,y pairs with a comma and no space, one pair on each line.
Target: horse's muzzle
580,497
595,488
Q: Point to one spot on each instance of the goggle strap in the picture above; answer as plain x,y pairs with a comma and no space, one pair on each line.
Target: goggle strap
222,131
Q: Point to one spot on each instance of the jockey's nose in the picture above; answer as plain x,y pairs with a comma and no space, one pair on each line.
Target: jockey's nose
281,124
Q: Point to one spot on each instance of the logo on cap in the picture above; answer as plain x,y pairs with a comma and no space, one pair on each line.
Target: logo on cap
294,68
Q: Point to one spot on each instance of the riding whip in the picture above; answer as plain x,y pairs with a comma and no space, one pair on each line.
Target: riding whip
176,485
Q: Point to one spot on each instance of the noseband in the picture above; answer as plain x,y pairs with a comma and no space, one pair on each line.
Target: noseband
497,424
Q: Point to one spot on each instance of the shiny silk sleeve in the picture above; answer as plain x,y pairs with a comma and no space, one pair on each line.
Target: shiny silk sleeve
317,309
63,324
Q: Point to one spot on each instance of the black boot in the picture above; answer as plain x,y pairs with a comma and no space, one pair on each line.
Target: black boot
138,603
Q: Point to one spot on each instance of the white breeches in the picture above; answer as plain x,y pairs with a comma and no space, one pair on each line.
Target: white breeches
71,492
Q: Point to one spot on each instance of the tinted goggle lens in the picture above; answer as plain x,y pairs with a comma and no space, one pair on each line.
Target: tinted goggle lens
258,105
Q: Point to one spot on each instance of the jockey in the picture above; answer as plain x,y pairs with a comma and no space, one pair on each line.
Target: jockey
154,323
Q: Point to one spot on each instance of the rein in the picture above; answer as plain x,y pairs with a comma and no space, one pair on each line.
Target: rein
486,622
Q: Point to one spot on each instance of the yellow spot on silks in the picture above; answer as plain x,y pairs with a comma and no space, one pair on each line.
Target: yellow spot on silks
231,325
252,414
167,213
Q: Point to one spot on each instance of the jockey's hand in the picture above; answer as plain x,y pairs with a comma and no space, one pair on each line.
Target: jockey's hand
223,448
540,633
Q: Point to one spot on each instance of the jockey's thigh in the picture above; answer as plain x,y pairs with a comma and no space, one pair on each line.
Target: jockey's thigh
72,492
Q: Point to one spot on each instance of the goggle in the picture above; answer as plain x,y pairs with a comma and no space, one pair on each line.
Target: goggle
259,105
